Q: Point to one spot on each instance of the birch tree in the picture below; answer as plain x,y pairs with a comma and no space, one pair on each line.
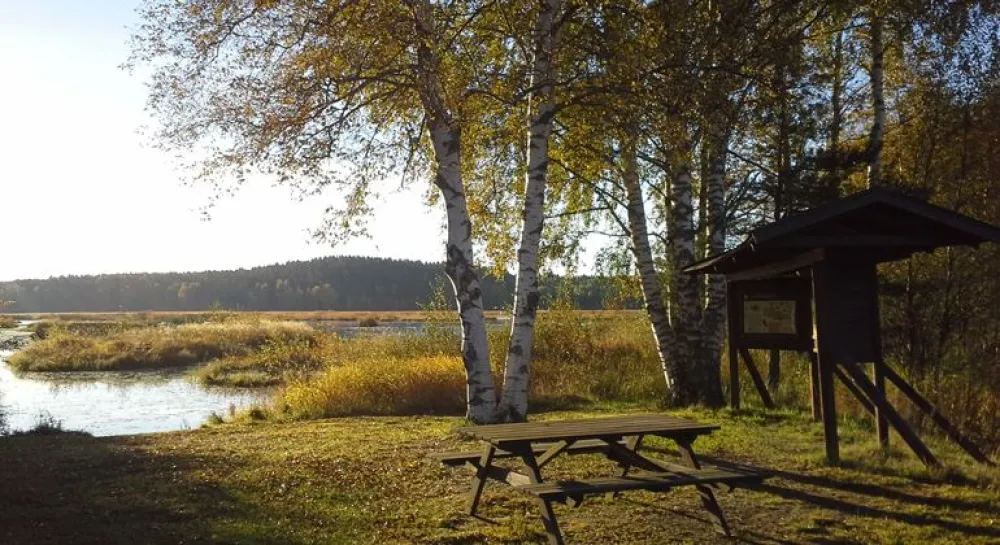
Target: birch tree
343,94
541,113
877,75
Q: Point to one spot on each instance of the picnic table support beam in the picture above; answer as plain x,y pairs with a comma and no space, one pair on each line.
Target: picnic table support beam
548,515
765,397
554,451
708,500
632,444
479,479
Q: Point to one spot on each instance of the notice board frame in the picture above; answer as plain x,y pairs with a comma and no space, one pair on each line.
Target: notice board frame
791,288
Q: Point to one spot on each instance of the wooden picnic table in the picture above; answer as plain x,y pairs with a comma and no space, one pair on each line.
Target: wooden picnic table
618,438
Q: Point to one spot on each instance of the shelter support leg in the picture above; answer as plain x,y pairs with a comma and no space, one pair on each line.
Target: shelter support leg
928,408
828,404
880,402
758,381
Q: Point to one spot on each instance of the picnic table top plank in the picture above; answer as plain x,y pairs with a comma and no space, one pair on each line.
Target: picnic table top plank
591,428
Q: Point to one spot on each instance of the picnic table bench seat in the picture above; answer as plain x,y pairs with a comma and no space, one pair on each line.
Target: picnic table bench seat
575,490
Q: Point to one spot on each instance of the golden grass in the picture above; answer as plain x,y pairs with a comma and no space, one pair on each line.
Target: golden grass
576,361
7,322
150,347
424,385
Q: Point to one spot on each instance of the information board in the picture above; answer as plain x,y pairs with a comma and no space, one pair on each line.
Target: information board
773,313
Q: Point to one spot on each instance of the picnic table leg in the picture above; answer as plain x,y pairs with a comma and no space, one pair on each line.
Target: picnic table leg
479,479
633,445
708,500
548,515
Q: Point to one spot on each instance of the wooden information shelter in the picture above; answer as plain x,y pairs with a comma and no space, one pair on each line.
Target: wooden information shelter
808,283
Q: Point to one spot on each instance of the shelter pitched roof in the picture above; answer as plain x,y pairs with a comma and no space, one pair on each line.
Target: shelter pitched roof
883,224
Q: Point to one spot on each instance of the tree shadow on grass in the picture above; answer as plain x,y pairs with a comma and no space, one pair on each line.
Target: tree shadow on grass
815,497
73,488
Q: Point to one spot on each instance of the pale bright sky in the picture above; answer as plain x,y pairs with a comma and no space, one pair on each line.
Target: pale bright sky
82,193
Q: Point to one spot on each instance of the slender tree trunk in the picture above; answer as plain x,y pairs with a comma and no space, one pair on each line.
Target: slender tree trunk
714,315
878,103
446,139
481,393
514,406
837,119
686,303
652,294
773,370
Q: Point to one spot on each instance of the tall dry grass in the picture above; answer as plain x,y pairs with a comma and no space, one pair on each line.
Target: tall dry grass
577,360
67,349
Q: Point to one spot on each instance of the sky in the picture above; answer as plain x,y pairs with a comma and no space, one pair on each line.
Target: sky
81,192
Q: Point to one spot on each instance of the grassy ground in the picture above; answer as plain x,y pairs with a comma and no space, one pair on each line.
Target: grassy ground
365,480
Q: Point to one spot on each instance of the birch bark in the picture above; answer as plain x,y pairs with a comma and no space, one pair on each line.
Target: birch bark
514,406
685,301
445,134
652,295
714,315
878,103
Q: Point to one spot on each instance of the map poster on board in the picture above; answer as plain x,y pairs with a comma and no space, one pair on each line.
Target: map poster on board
774,317
773,313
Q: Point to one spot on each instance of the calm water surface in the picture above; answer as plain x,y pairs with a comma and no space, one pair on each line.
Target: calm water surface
113,403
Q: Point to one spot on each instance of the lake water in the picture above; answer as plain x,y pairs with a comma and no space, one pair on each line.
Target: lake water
128,402
113,403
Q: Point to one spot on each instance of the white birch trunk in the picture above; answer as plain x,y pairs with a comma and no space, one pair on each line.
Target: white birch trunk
685,300
878,103
714,318
514,406
836,121
652,295
481,400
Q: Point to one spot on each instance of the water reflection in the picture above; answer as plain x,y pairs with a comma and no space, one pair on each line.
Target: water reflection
113,403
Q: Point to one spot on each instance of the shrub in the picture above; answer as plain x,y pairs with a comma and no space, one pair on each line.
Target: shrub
426,385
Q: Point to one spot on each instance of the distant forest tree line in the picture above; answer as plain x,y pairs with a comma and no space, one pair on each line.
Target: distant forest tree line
329,283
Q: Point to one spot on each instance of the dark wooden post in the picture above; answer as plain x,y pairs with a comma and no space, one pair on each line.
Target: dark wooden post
758,381
826,349
734,357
